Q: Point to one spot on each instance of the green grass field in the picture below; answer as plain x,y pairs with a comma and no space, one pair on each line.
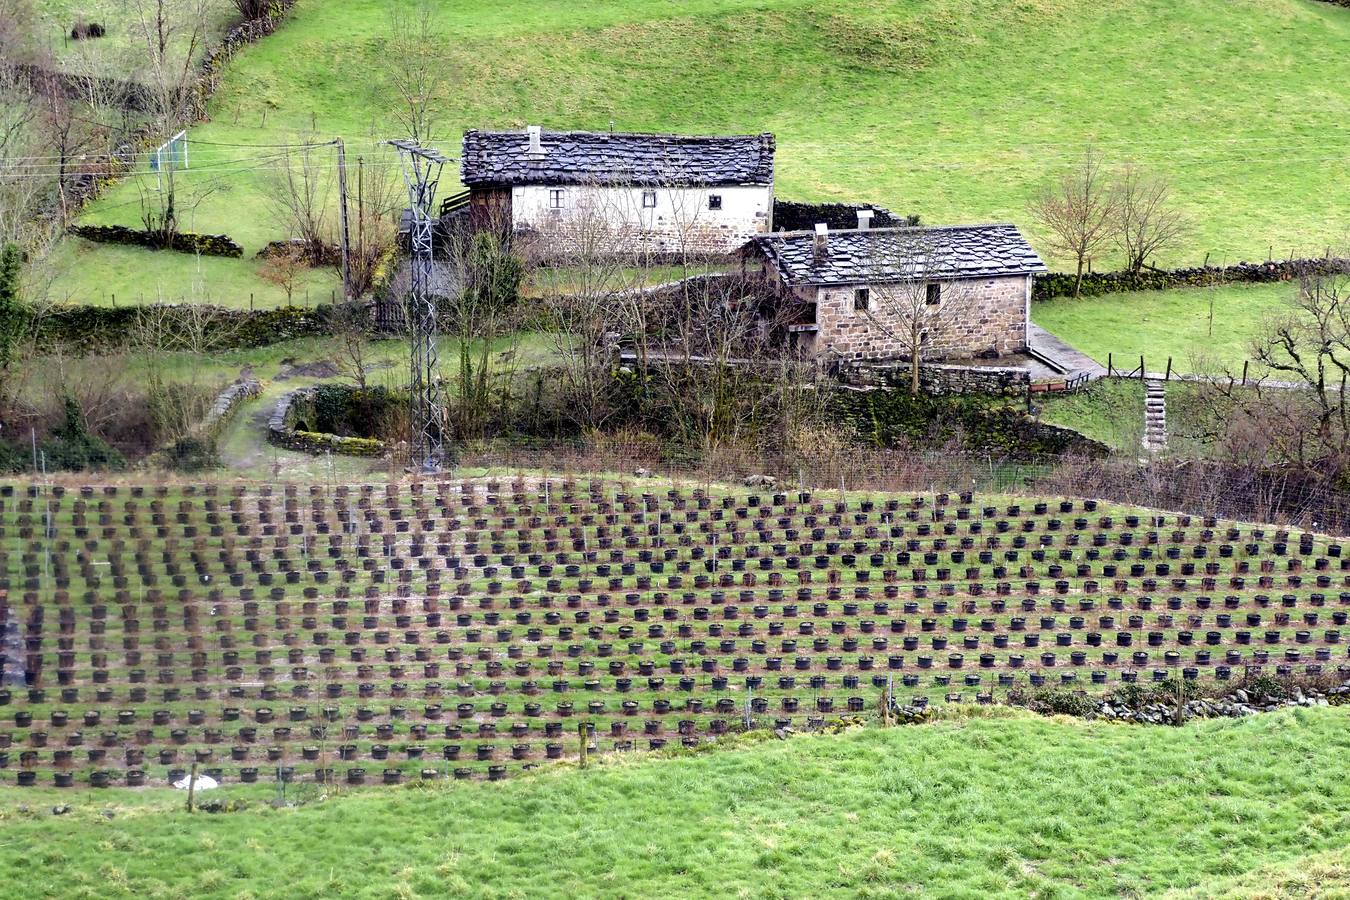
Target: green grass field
953,109
1159,324
991,804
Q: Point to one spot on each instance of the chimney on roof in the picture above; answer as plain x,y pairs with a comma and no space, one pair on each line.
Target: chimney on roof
820,244
864,219
536,147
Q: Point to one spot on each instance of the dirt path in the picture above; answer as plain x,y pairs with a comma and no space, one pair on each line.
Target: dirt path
245,452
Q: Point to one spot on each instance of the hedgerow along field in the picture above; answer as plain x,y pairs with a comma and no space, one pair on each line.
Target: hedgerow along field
985,804
954,110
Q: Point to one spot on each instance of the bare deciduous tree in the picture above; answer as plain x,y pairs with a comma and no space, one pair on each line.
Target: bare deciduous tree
300,188
916,307
179,395
284,269
351,333
1146,221
481,286
1079,210
414,68
169,35
372,230
1305,424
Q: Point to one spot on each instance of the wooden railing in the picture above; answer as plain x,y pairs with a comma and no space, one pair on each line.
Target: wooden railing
454,203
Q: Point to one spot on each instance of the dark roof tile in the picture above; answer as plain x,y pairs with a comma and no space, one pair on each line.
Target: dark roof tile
586,157
901,254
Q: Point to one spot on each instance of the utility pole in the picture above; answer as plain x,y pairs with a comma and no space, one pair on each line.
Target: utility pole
342,216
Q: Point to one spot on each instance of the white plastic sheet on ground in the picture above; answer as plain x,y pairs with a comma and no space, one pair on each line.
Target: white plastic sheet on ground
204,783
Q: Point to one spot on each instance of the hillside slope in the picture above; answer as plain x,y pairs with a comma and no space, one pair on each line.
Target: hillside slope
953,109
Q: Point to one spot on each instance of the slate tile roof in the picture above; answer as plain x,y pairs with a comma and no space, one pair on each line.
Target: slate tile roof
588,157
882,255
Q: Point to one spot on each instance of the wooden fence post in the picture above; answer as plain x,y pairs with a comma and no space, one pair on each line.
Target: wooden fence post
581,735
1245,362
1141,367
1108,365
192,787
1168,376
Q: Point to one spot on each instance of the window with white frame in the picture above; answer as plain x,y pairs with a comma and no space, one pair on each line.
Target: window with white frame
557,198
649,199
714,201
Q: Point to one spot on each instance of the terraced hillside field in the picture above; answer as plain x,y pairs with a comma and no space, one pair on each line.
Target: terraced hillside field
952,109
473,628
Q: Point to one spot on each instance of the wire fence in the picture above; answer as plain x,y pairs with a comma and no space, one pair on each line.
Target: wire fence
1191,487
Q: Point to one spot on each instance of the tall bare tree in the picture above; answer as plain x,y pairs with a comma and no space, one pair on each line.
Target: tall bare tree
1146,220
1079,209
414,68
372,210
300,193
169,36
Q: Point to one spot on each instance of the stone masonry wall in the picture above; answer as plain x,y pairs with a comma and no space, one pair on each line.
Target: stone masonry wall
992,321
941,379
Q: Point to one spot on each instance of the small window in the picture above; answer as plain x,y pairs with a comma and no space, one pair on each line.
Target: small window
649,199
714,201
862,299
934,294
557,198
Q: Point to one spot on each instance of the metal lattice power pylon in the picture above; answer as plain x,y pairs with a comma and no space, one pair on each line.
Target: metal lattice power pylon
421,172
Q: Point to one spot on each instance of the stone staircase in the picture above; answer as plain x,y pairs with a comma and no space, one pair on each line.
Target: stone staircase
1155,415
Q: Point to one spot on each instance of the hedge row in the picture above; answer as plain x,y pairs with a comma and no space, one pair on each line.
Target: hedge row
1060,284
790,215
183,241
99,329
893,418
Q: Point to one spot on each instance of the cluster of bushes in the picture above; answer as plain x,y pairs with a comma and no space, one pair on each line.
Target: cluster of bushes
70,447
83,30
327,255
790,215
351,412
1060,284
892,418
182,241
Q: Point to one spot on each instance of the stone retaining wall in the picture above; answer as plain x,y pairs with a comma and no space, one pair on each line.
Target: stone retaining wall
281,431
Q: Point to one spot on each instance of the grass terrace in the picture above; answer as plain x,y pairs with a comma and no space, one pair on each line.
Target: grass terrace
1201,329
988,803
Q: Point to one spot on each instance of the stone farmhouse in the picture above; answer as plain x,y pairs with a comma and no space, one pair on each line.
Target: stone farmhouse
849,285
655,192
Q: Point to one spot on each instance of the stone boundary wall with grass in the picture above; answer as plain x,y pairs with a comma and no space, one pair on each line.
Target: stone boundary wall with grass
181,241
297,408
102,329
1060,284
940,379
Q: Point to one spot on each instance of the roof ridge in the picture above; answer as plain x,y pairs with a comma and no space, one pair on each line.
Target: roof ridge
665,134
890,229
